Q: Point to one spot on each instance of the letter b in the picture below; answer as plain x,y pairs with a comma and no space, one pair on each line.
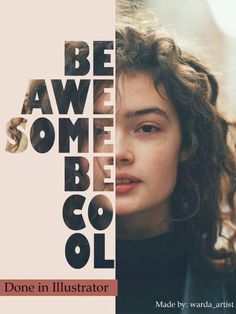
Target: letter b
76,54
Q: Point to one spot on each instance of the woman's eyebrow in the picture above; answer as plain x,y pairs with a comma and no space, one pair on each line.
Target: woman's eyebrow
148,110
107,111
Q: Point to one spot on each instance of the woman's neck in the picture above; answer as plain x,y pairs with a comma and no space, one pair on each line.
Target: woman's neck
144,224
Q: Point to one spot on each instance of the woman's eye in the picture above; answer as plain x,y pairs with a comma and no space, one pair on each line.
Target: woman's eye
99,130
147,128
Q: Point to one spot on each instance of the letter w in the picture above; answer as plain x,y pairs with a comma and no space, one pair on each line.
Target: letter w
71,94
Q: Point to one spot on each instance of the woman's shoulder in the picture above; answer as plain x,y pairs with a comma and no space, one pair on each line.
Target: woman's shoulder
211,294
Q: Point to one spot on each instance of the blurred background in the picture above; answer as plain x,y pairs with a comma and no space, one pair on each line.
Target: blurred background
209,28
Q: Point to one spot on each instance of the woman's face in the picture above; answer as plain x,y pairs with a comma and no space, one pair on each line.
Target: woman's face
148,141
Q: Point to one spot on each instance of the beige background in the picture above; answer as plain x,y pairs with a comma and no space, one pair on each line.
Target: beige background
32,231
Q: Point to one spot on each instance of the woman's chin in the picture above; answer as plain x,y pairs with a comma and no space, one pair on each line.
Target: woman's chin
125,210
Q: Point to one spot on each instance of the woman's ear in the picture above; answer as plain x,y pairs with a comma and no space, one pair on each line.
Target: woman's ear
185,155
188,152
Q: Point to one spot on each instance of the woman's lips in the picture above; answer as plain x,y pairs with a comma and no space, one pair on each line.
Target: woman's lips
126,183
108,187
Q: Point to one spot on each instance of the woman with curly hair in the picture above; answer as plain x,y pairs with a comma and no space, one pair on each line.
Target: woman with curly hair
175,181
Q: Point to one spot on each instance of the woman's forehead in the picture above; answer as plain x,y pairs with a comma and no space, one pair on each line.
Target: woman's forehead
136,91
135,94
138,80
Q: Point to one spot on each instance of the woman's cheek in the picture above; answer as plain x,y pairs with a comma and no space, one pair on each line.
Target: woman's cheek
164,165
98,177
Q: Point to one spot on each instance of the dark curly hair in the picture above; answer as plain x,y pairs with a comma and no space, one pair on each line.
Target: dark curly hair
206,181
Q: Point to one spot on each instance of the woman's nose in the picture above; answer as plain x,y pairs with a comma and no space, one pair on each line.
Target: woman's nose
124,154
